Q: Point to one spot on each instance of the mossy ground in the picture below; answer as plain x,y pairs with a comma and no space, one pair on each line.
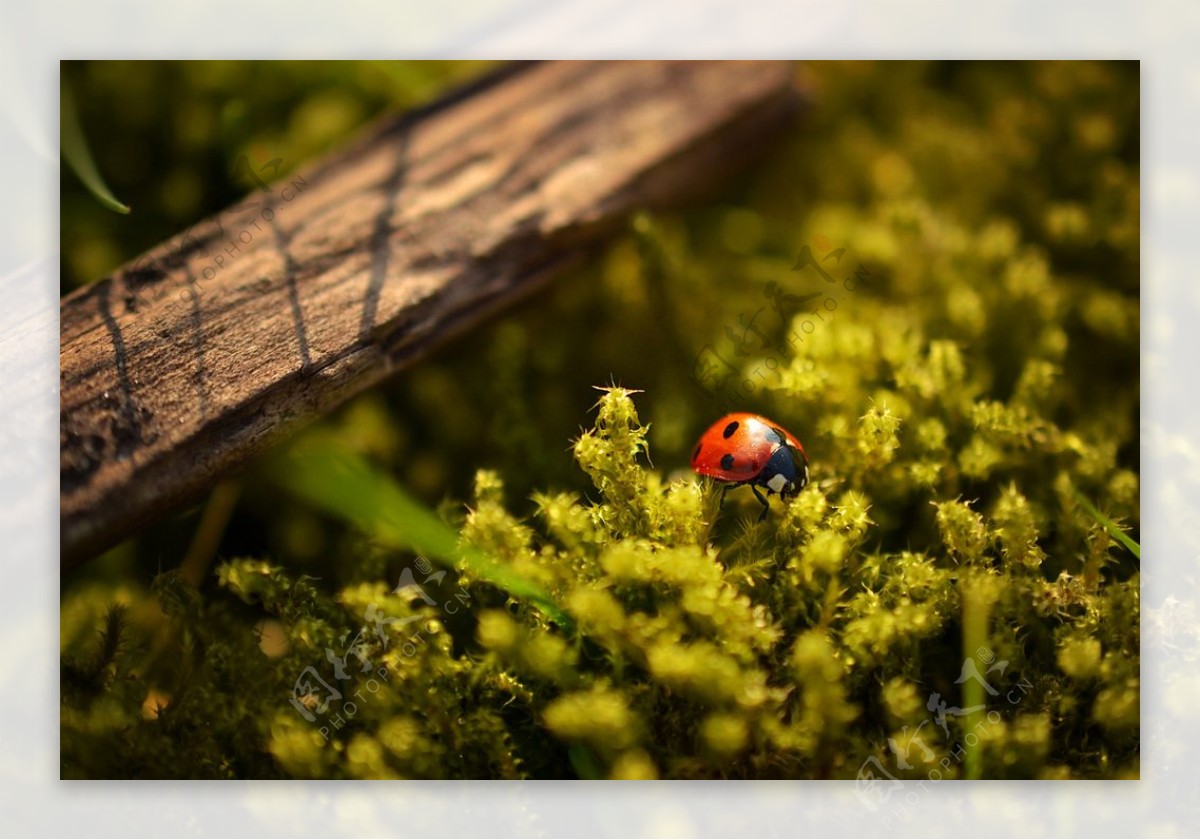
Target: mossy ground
961,373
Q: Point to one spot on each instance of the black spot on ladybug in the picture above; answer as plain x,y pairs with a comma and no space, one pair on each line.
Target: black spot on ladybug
727,461
729,430
696,454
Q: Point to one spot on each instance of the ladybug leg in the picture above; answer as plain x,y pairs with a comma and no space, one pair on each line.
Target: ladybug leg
724,490
765,504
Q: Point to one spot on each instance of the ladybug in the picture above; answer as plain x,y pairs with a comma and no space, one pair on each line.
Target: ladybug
749,449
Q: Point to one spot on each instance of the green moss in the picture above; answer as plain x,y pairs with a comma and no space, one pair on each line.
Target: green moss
936,597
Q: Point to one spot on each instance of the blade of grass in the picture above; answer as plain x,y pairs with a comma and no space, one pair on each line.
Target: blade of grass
1110,526
75,151
345,485
976,609
209,531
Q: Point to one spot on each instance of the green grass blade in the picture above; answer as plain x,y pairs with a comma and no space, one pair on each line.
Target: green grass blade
1110,526
345,485
976,618
75,151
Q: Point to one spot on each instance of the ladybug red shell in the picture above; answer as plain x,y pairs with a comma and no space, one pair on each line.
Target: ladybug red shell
749,449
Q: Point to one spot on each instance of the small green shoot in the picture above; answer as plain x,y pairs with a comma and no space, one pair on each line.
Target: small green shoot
1110,526
79,157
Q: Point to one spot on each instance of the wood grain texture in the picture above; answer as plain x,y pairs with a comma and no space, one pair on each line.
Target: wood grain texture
189,360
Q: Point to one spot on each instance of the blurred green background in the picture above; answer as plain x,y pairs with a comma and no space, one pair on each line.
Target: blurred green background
994,208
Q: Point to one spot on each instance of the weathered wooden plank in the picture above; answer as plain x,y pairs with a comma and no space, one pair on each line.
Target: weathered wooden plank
189,360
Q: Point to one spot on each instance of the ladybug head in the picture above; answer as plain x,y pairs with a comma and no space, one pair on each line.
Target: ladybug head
786,473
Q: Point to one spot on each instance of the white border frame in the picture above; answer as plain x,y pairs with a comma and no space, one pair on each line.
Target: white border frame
34,36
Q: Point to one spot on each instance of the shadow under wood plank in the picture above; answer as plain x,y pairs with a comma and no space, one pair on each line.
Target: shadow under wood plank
199,354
